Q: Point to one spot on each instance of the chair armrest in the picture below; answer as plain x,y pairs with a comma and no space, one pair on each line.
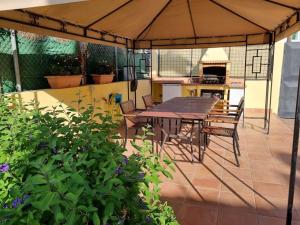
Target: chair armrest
225,110
216,120
129,115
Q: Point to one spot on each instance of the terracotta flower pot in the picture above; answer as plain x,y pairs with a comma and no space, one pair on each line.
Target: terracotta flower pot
103,78
64,81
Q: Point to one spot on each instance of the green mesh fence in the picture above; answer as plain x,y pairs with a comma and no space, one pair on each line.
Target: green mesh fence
7,74
36,53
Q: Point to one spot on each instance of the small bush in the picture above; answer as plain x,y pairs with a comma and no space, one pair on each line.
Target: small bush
71,169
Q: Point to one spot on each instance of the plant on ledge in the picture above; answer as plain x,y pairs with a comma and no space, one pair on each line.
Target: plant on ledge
62,167
102,72
64,71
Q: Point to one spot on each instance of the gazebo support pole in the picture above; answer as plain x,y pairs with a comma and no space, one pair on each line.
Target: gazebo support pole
289,217
15,52
245,71
151,68
271,66
127,69
134,72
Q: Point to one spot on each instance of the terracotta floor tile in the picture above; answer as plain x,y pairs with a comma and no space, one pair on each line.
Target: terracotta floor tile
239,202
262,164
237,218
199,215
212,171
207,183
181,178
259,155
203,197
270,206
238,173
233,185
173,192
221,193
268,176
266,220
230,162
271,190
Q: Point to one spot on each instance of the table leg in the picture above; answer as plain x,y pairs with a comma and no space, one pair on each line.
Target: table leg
169,129
161,130
152,138
201,154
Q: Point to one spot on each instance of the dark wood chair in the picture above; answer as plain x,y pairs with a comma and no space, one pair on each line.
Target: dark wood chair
224,108
224,131
131,120
148,101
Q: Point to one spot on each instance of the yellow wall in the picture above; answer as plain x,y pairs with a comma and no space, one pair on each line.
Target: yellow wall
144,88
255,94
89,95
277,72
157,92
68,97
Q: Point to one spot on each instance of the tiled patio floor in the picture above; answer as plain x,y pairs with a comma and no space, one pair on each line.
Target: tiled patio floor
217,192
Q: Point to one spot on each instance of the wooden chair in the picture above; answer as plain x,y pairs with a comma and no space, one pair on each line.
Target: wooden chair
224,131
223,108
148,101
130,118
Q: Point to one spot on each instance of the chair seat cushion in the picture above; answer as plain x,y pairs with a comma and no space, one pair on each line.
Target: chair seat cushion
218,131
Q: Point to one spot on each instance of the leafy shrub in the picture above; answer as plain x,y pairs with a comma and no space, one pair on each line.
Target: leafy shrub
101,67
64,65
70,169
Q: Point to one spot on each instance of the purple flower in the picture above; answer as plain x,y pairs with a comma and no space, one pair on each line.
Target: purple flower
54,150
17,202
119,170
4,168
125,160
148,219
5,206
141,175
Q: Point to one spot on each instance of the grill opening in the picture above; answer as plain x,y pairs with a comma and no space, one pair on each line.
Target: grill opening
214,75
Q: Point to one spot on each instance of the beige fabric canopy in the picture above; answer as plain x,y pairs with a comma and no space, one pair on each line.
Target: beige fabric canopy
161,23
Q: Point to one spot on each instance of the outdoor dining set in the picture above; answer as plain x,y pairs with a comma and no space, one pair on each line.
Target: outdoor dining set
211,117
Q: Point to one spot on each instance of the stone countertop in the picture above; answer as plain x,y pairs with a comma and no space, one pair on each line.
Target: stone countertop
234,82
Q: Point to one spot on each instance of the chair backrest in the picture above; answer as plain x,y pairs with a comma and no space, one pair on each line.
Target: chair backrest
128,108
241,109
148,101
241,102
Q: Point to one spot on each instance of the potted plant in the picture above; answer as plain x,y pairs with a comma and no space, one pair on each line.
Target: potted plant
102,72
64,71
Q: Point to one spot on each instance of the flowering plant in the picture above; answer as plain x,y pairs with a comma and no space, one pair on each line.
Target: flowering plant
63,167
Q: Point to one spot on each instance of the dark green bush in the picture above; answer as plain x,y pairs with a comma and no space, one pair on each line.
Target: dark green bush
64,65
61,167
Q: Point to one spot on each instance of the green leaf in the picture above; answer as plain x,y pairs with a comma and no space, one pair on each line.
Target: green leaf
38,179
71,218
77,178
46,201
96,219
109,209
70,196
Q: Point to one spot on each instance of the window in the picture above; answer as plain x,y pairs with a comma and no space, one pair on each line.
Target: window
295,36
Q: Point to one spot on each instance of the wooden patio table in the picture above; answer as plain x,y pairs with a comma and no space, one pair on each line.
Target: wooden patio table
194,109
